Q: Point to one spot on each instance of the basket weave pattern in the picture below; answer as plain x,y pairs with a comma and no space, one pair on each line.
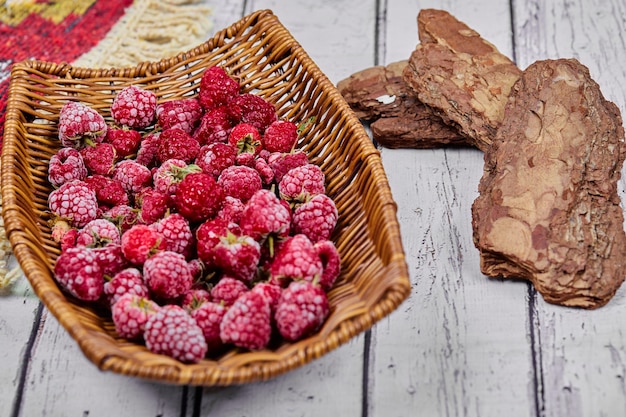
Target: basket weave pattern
268,61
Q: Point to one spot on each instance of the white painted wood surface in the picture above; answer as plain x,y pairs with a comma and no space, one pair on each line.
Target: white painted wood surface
462,344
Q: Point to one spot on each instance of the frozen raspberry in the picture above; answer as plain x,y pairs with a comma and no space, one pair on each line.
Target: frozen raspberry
171,331
177,233
216,157
245,159
153,205
316,218
265,215
280,136
63,233
148,148
141,242
228,290
216,88
237,256
134,107
196,268
231,210
301,310
167,275
75,202
281,163
183,113
80,125
123,215
125,141
331,263
264,169
130,314
198,197
215,126
133,176
111,259
209,234
98,233
167,177
302,182
209,316
297,260
194,298
109,192
177,144
247,323
271,292
125,281
99,158
252,109
66,165
240,182
246,138
78,272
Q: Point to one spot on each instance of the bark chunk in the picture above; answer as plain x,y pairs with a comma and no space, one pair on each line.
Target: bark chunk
548,209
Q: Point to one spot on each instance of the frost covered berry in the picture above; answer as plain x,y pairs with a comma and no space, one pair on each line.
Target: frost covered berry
183,113
237,256
140,242
216,157
167,275
134,107
132,175
216,88
198,197
247,323
175,143
331,263
99,158
228,290
296,260
265,215
209,317
240,182
316,218
77,271
246,138
125,281
98,233
215,126
301,310
80,125
302,182
177,233
171,172
125,141
75,202
109,192
66,165
252,109
130,314
280,136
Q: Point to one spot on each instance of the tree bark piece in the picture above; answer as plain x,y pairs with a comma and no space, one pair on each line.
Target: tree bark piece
463,78
397,118
548,209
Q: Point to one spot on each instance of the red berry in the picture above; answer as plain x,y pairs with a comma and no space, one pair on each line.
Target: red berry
252,109
153,205
141,242
247,323
183,113
123,215
148,148
198,197
125,141
280,136
98,233
209,316
282,163
246,138
77,271
271,292
240,182
228,290
265,215
231,210
127,280
167,177
99,158
133,176
331,263
134,107
216,88
66,165
175,143
264,169
216,157
173,332
110,258
194,298
208,235
302,182
237,256
215,126
75,202
130,314
298,260
80,125
167,275
109,192
177,234
316,218
301,310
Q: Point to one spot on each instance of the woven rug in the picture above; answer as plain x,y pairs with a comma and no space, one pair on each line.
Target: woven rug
92,34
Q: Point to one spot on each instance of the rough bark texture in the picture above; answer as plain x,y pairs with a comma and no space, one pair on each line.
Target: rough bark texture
397,118
548,209
460,76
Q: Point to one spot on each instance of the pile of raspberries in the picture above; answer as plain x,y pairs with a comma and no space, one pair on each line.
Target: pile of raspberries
196,221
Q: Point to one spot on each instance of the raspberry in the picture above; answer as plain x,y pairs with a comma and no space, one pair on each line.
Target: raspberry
231,210
183,113
316,218
75,202
133,176
98,233
109,192
237,256
177,144
216,88
111,259
198,197
247,323
252,109
123,215
167,177
177,234
228,290
264,169
216,157
208,235
331,263
194,298
173,332
100,158
140,242
148,148
134,107
196,268
209,316
282,163
130,314
265,215
167,275
78,272
126,281
66,165
125,141
246,138
63,234
240,182
80,125
296,260
301,310
153,205
301,182
280,136
215,126
271,292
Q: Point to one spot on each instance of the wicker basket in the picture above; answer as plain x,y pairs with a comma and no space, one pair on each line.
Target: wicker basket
268,61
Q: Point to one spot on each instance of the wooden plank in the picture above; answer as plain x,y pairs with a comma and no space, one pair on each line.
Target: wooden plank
458,346
581,354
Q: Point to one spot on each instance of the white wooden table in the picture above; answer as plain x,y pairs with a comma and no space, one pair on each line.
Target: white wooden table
462,344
